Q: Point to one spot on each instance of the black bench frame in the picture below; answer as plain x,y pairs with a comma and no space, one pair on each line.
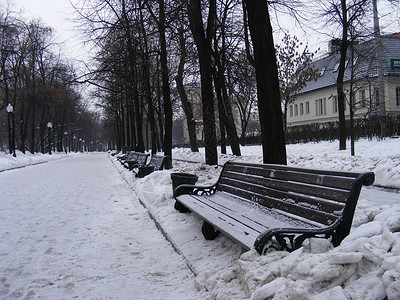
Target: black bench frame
248,200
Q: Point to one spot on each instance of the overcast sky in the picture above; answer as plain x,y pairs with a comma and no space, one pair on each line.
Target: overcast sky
58,14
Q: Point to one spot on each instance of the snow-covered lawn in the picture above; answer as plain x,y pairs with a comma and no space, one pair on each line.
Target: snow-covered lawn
365,266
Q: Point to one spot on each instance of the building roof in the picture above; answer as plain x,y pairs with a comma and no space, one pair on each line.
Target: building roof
364,61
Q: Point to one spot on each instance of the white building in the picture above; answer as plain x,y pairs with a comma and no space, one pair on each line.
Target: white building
317,101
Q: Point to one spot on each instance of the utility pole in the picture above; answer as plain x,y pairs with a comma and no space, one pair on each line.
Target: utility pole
381,90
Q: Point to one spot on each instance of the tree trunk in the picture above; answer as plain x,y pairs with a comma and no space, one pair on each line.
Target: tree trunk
33,127
225,108
203,44
187,106
269,102
139,120
165,88
147,91
339,81
150,106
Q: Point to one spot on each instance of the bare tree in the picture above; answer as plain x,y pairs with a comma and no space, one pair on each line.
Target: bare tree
203,40
243,88
294,69
269,102
186,105
348,15
37,83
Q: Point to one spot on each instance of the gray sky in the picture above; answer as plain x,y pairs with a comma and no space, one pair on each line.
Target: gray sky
58,14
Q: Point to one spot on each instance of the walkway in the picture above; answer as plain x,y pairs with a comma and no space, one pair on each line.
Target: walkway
72,229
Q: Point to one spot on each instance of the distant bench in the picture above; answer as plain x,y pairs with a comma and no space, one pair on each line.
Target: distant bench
138,159
156,163
275,207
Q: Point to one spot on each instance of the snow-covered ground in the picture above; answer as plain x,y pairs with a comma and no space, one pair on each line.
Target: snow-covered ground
71,229
365,266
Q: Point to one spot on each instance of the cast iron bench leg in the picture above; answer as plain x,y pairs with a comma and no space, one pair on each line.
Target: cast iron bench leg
209,231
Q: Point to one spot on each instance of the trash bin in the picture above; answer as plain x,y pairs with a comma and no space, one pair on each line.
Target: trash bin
178,179
182,178
126,149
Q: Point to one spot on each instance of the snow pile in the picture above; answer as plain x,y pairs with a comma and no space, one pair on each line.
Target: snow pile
8,162
365,266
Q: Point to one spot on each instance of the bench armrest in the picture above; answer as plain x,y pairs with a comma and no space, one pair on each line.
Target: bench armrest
194,190
290,239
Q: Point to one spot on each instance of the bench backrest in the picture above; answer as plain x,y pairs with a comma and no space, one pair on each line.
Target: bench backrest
131,155
318,197
141,157
157,162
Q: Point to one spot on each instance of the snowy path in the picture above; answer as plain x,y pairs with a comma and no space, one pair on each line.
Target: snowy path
73,229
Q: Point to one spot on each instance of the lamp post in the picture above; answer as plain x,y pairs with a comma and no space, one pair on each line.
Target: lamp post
11,126
49,126
66,142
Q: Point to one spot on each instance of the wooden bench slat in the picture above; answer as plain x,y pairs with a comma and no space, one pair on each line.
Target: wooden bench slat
238,214
305,189
275,203
225,223
252,214
295,175
352,175
324,205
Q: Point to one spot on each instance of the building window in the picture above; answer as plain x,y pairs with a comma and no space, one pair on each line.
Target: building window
301,109
361,98
398,96
320,107
334,104
377,103
296,109
291,111
307,107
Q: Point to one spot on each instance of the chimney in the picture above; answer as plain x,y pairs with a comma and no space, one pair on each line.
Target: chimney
334,45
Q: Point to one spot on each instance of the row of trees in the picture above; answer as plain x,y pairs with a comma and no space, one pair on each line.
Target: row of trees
40,106
149,51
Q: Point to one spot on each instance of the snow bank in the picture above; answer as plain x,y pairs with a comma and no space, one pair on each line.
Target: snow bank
365,266
8,162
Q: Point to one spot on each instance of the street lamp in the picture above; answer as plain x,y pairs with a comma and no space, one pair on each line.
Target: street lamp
11,126
66,142
49,126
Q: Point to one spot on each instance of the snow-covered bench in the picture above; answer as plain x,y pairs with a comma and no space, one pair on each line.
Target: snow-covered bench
275,206
127,155
138,159
156,163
